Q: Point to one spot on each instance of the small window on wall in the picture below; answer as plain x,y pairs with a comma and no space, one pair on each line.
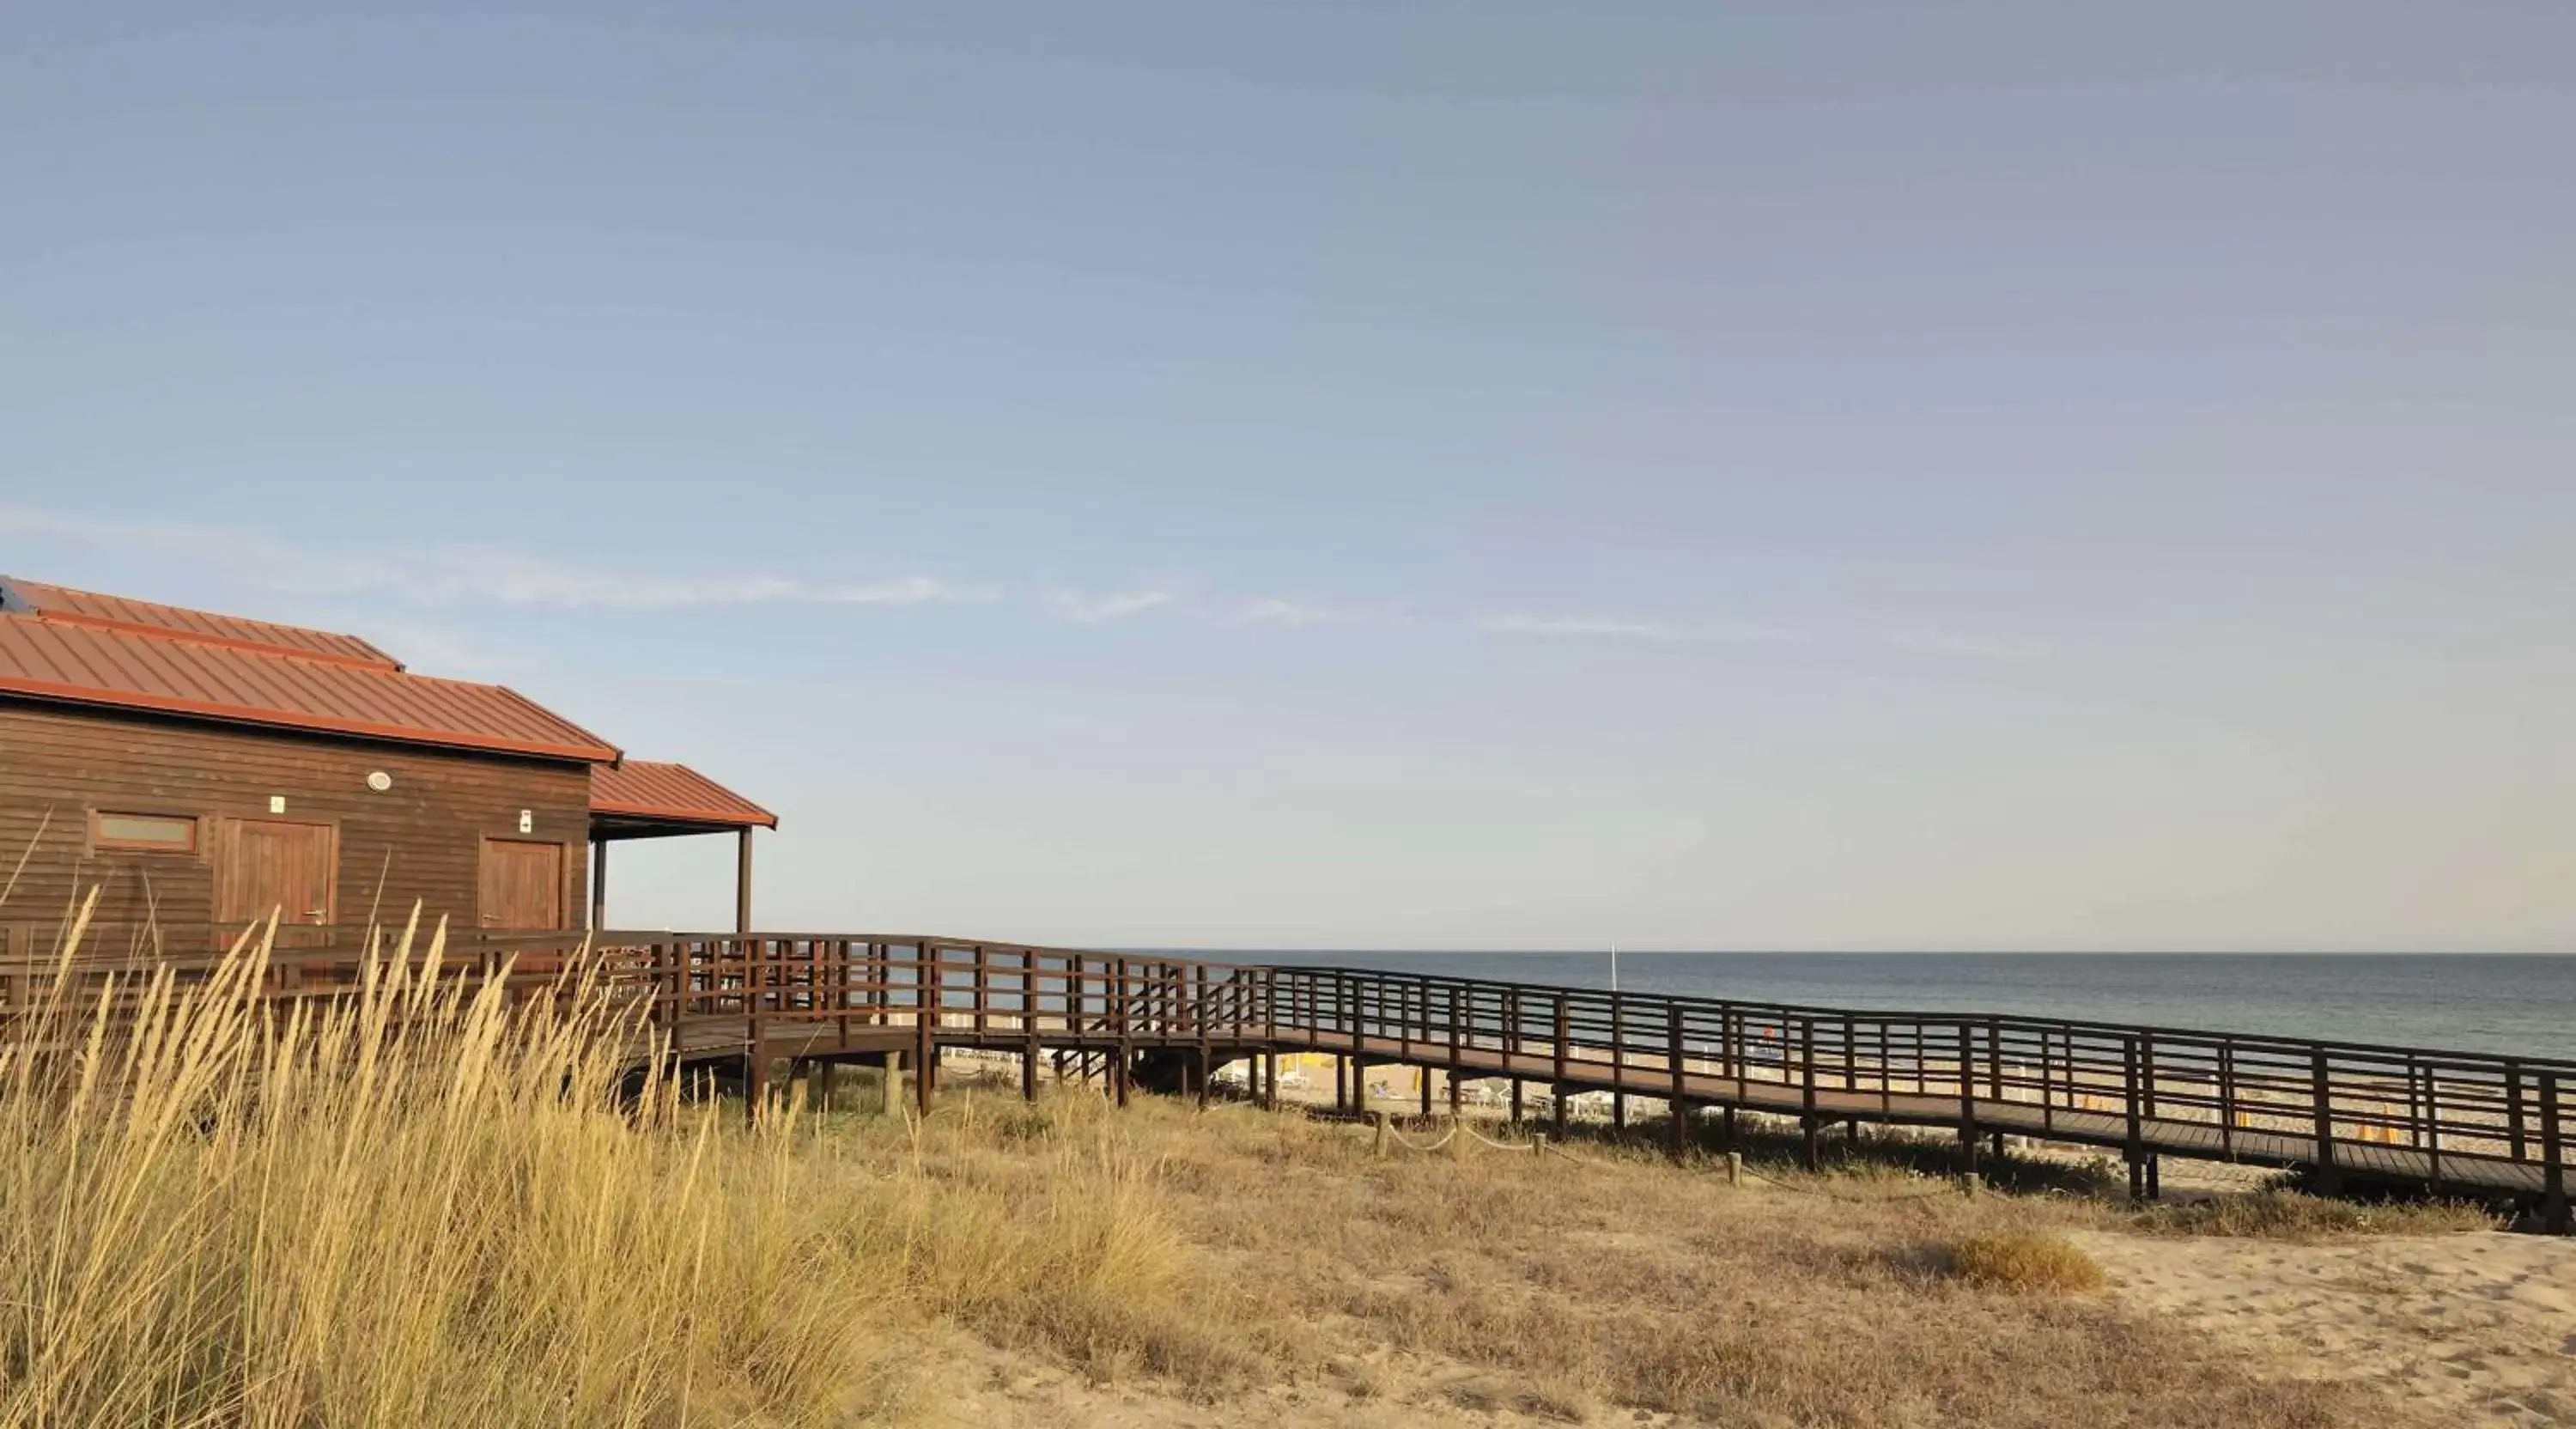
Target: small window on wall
143,833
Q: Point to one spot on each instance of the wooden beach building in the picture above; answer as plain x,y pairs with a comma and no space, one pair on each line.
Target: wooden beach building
201,769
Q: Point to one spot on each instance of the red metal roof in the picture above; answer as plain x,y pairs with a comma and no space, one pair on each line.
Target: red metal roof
132,665
114,612
645,789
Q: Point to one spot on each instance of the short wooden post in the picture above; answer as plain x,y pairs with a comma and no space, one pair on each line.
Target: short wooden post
1734,1166
1377,1143
889,1083
2553,1151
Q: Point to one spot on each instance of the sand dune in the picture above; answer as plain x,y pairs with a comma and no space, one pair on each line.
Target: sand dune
2480,1329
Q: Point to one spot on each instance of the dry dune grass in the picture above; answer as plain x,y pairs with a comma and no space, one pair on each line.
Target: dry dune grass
2283,1214
1596,1289
422,1206
2029,1260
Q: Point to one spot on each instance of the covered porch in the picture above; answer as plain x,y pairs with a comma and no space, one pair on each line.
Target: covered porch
643,799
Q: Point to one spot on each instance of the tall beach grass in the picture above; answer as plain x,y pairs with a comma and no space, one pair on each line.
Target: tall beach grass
427,1202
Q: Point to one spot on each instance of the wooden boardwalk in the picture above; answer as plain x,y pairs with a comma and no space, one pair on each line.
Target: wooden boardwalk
2457,1123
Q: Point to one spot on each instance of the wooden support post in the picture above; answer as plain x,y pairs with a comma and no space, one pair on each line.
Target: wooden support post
1202,1071
1423,1074
1619,1110
2155,1180
827,1078
598,884
1029,1067
742,885
1557,1092
2553,1152
1341,1083
755,1081
1516,1101
1457,1088
1729,1127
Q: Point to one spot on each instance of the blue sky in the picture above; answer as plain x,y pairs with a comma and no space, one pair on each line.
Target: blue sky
1797,476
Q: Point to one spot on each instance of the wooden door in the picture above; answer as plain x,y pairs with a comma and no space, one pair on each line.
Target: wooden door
523,884
264,865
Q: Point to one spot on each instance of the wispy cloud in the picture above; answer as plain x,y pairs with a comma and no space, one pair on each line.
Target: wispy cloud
1605,627
1966,647
1300,614
1091,609
440,576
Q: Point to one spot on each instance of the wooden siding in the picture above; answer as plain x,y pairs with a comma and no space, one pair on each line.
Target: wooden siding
423,839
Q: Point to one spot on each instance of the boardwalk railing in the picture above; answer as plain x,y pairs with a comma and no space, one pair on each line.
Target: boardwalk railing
2460,1121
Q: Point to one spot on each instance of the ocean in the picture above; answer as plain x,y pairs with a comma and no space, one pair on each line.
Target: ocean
2451,1002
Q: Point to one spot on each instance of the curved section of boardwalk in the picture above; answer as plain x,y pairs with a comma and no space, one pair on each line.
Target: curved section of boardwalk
2455,1122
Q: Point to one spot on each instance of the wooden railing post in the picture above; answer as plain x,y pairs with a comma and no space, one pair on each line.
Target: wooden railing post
2227,1111
1126,1047
2321,1088
1807,1092
2553,1151
1556,1098
927,990
2134,1138
1678,1107
1967,1098
2513,1120
1618,1045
